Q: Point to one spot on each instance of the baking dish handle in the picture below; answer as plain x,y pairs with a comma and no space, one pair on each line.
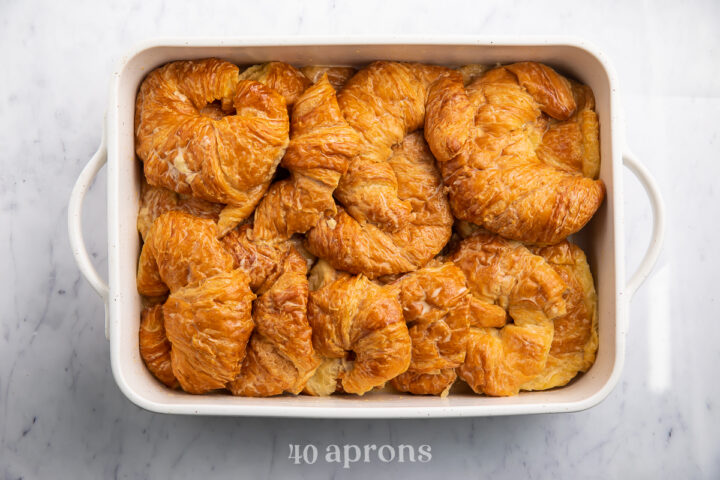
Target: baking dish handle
77,242
656,239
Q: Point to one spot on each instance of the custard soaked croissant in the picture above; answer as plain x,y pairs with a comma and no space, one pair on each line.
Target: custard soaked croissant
358,328
505,162
280,355
179,249
208,324
513,283
207,317
395,216
435,305
200,131
364,247
575,338
321,145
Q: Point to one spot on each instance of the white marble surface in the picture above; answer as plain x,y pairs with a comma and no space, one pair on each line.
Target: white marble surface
61,414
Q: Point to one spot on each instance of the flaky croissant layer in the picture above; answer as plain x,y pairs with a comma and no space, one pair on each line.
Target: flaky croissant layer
323,229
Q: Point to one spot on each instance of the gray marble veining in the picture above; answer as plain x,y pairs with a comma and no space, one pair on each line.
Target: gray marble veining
61,414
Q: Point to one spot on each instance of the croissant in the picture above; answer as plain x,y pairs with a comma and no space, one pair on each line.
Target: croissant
573,145
209,324
358,327
321,145
154,345
207,317
511,282
337,76
395,216
201,132
486,138
575,339
280,356
179,249
435,306
360,246
285,79
154,201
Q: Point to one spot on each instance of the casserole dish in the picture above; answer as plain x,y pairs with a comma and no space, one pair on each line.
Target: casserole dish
602,238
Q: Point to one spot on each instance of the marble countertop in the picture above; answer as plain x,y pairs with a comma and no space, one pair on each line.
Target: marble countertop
61,413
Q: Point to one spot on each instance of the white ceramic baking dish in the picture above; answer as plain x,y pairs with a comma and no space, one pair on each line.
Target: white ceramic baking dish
602,238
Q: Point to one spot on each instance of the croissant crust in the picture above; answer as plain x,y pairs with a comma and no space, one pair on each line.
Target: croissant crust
575,337
201,132
155,347
507,277
394,216
353,314
505,160
280,355
436,310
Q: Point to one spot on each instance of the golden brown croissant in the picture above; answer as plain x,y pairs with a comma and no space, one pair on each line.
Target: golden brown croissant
573,145
575,339
155,347
207,317
285,79
485,138
201,132
384,102
321,145
154,201
361,246
395,216
180,249
208,324
358,327
435,306
337,76
280,356
507,277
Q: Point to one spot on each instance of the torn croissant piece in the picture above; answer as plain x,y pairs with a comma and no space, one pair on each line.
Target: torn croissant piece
180,249
508,282
200,131
321,145
435,306
154,201
360,246
575,339
155,347
208,323
486,138
337,76
358,328
282,77
280,356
